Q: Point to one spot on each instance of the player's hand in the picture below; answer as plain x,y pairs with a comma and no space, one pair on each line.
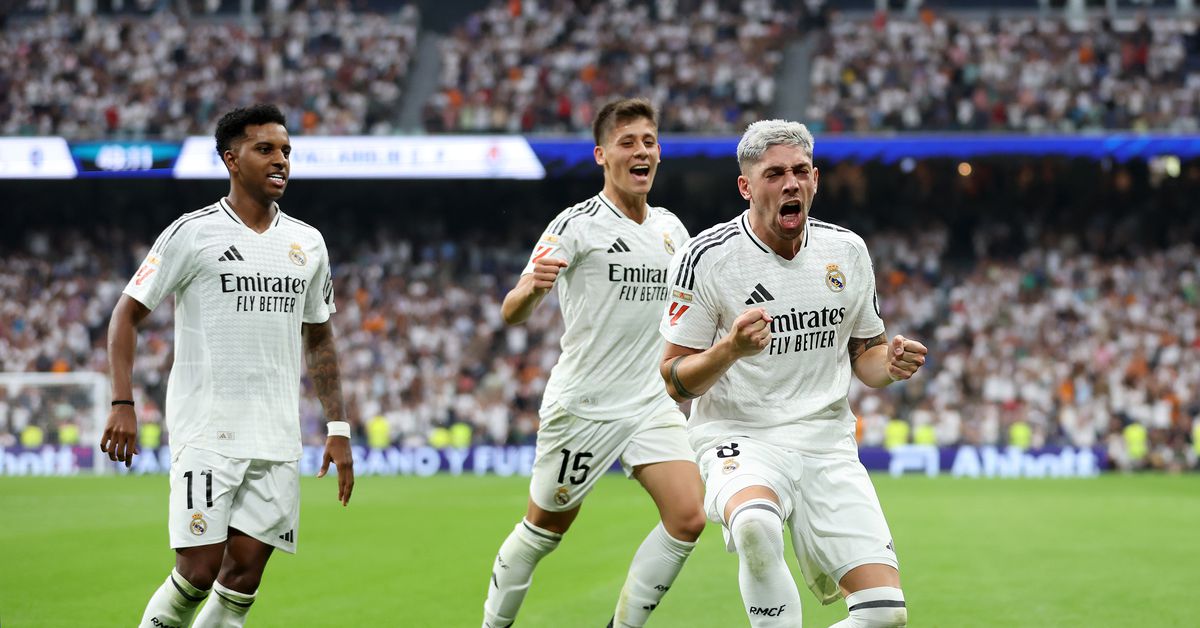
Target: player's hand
751,332
337,451
120,435
905,357
545,273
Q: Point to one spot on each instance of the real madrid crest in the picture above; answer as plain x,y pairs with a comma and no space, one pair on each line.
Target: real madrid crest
562,496
729,466
834,278
297,255
199,526
668,244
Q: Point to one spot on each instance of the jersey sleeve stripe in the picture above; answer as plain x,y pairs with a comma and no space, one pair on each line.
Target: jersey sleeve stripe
178,224
685,265
300,222
825,225
590,210
691,275
688,263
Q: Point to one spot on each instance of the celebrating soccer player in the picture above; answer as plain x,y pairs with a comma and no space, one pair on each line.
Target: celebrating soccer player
770,314
253,290
608,256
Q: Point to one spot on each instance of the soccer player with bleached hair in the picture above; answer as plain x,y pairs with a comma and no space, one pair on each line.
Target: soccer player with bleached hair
608,257
253,294
770,315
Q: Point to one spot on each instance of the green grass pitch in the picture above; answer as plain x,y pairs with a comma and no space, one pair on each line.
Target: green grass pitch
1113,551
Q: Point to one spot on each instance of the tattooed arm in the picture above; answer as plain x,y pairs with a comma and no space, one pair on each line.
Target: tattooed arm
321,355
878,363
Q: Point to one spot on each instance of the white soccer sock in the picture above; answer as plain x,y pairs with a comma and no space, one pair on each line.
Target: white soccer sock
173,604
768,589
878,607
512,572
226,609
651,574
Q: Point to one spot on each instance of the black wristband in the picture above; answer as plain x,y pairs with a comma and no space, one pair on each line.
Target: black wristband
122,402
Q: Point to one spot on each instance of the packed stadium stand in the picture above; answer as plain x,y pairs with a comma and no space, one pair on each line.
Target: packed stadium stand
1028,73
165,75
1047,300
1075,320
520,67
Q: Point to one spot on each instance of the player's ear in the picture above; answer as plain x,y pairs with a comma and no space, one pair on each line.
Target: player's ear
230,159
744,186
598,153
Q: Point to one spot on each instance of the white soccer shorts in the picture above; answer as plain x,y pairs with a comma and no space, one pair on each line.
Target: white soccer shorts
573,452
211,493
832,510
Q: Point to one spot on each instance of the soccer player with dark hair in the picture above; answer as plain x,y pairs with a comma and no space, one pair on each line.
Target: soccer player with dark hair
608,256
253,295
770,315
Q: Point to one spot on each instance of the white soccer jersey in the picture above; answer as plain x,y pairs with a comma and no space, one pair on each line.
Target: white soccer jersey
611,294
240,299
793,393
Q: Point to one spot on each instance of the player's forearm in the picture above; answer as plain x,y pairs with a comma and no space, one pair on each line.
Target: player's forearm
871,367
691,375
520,302
321,355
122,346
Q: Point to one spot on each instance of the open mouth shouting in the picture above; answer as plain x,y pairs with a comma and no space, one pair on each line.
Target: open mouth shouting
791,215
640,173
278,180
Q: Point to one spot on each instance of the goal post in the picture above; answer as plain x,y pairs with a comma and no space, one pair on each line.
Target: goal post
47,400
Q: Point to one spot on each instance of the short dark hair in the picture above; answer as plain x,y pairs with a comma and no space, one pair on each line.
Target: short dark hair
233,124
618,110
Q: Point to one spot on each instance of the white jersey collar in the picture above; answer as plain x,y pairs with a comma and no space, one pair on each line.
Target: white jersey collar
744,221
228,209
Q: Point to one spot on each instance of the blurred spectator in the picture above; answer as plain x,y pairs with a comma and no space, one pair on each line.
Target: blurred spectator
1011,73
335,72
541,66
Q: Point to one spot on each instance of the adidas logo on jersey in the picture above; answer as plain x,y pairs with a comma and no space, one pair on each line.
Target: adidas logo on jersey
290,536
619,247
231,255
759,295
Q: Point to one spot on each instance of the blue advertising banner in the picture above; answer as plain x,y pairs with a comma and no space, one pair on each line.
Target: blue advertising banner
963,461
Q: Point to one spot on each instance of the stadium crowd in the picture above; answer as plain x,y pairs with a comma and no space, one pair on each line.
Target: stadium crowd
541,66
335,72
1057,347
1036,74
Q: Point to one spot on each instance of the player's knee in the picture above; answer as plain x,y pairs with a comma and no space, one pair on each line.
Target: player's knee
199,575
757,529
687,527
241,578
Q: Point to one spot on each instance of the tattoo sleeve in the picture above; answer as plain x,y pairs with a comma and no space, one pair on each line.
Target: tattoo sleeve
321,355
859,346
